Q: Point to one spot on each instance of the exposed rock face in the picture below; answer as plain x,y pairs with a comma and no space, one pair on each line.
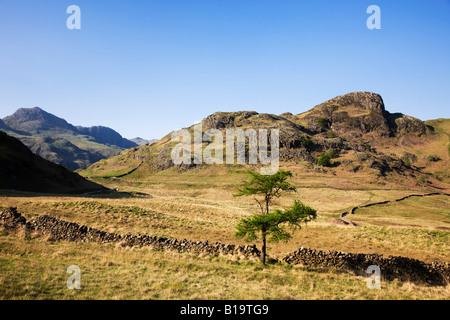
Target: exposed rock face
360,111
222,120
410,125
363,100
363,112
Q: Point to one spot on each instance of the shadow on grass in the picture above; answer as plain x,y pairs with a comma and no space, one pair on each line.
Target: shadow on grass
102,194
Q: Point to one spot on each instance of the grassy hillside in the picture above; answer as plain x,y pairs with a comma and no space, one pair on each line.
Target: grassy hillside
440,165
364,138
20,169
199,205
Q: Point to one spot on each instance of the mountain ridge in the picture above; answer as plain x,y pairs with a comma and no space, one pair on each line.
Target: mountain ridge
57,140
364,136
34,120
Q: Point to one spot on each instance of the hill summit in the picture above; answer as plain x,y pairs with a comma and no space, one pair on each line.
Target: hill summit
355,130
35,120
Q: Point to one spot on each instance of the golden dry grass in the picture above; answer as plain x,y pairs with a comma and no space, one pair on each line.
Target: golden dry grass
36,269
199,205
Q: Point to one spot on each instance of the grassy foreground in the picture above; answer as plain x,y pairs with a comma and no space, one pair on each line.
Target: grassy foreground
200,206
36,269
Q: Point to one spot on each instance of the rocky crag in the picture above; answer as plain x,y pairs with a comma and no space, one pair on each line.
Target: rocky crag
356,128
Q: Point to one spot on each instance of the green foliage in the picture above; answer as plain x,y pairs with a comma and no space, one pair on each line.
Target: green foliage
366,145
274,224
433,158
307,143
324,160
331,134
332,153
322,122
406,161
268,186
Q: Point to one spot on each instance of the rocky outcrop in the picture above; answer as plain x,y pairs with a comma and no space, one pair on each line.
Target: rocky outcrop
11,219
222,120
360,99
409,125
354,121
363,112
360,111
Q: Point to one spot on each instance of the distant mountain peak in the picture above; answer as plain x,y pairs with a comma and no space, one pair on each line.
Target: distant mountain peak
33,112
107,136
141,141
35,119
57,140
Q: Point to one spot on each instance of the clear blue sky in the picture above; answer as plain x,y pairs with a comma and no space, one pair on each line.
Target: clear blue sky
145,68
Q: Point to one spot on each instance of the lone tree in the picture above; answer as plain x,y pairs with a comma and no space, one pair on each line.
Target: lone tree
271,224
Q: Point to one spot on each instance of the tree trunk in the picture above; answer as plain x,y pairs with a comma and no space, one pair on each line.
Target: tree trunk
263,236
263,247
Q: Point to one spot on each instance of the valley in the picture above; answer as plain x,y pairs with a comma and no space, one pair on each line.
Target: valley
200,206
374,157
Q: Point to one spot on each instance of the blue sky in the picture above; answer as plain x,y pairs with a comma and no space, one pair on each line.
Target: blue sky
145,68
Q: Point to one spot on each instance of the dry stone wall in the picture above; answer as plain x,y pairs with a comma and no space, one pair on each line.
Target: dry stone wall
353,210
60,230
392,267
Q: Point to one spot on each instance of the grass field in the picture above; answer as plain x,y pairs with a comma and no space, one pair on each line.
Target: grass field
199,205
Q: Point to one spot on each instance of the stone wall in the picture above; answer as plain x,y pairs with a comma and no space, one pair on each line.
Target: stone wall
353,210
60,230
11,219
392,267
